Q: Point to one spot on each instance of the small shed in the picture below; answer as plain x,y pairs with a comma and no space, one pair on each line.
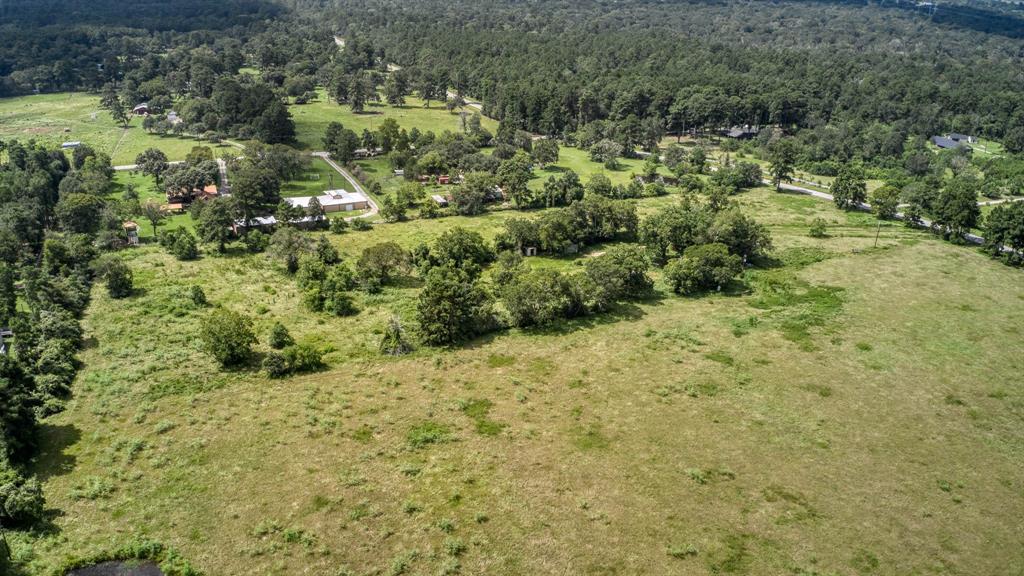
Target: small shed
141,109
72,144
444,179
440,200
131,230
399,172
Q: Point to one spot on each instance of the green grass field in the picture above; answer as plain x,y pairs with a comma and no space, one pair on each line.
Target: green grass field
862,417
317,179
57,118
311,119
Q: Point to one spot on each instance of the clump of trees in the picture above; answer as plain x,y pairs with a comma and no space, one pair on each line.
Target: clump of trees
228,336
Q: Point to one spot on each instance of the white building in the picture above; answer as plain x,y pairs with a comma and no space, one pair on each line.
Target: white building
334,201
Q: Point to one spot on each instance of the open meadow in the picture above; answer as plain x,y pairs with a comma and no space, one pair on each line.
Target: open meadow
311,119
77,116
851,409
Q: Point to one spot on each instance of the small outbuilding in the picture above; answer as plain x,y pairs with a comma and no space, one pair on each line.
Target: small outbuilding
141,109
72,144
131,231
440,200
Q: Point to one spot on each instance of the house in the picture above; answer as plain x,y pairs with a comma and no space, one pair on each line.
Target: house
173,208
367,152
741,132
131,230
73,144
334,201
209,191
444,179
946,143
440,200
141,109
961,138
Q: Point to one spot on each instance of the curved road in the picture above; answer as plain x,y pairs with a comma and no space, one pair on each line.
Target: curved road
374,209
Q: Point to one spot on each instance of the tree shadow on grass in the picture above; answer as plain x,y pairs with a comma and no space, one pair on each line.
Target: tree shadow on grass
53,459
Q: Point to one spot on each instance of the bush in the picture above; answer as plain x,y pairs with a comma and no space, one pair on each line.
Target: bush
703,267
361,224
303,358
818,229
393,343
21,498
279,337
117,275
197,295
180,243
275,365
338,225
256,241
294,359
227,336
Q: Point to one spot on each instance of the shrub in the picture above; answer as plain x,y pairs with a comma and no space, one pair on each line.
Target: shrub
117,274
275,365
703,267
303,358
279,337
393,343
338,225
197,295
256,241
818,229
21,498
227,336
180,243
361,224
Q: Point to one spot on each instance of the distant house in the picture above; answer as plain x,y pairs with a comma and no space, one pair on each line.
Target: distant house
444,179
334,201
440,200
367,152
209,191
173,118
962,138
141,109
73,144
741,132
946,143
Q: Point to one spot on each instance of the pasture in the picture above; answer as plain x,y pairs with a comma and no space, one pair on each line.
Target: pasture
852,410
70,116
311,119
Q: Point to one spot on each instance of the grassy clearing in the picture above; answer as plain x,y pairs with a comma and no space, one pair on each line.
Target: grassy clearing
57,118
311,119
790,427
319,178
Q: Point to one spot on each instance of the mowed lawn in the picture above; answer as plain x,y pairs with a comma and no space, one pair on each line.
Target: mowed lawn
853,410
316,179
311,119
70,116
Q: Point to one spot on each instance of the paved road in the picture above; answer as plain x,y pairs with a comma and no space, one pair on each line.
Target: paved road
374,209
222,167
471,103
